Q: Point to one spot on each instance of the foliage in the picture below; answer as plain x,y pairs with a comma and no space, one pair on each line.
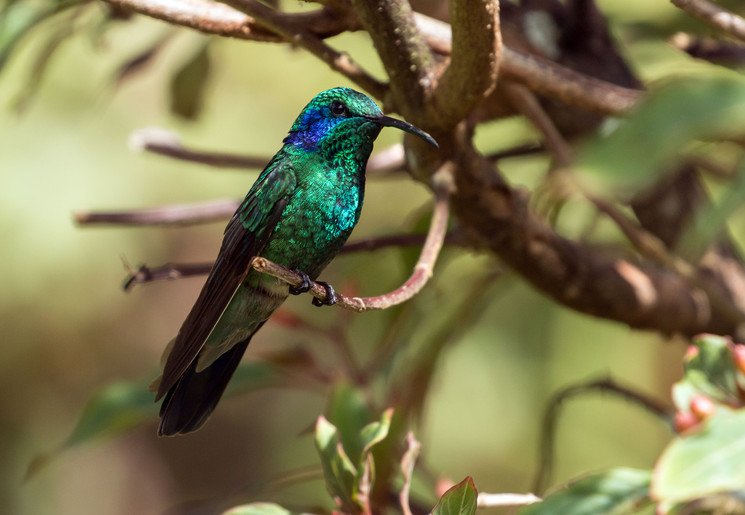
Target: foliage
658,167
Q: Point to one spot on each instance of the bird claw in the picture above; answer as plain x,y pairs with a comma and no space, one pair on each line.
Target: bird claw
330,296
304,286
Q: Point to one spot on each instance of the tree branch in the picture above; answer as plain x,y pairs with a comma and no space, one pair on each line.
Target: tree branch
167,143
544,76
406,57
179,214
582,277
551,418
471,73
297,34
443,188
714,15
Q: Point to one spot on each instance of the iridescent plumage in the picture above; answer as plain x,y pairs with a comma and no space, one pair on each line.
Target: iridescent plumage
299,213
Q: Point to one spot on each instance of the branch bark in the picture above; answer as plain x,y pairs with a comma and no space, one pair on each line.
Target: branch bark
471,72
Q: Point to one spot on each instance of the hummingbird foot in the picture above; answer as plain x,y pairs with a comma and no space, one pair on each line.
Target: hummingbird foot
330,296
304,286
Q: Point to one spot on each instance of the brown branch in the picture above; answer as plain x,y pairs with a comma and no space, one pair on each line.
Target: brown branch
582,277
407,59
471,72
714,15
442,185
185,214
171,271
544,76
709,49
299,35
167,143
551,416
304,29
527,103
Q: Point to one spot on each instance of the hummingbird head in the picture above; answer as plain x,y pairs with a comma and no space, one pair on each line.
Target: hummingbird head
342,120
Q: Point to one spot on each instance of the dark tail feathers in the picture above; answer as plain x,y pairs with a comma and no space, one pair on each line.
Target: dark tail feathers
189,403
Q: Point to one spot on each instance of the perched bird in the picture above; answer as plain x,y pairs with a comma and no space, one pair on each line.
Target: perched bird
298,213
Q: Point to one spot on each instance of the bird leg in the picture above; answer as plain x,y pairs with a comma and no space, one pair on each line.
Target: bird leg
330,296
307,284
304,286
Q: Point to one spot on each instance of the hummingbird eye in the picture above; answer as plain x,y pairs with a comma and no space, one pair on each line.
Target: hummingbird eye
338,108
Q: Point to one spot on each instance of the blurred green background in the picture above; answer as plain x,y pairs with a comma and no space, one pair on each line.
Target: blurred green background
68,329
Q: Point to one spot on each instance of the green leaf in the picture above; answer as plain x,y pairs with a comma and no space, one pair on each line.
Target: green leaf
671,117
117,408
187,86
458,500
259,508
348,411
711,372
375,432
615,491
338,470
121,406
705,463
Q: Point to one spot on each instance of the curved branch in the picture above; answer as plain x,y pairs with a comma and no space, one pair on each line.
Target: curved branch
297,34
178,214
582,277
544,76
443,187
471,73
304,29
714,15
406,57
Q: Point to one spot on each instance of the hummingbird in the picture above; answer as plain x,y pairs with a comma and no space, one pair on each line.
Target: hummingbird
299,213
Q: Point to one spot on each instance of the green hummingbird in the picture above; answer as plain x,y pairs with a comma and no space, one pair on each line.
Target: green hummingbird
299,213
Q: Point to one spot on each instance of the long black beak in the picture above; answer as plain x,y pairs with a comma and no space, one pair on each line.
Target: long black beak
387,121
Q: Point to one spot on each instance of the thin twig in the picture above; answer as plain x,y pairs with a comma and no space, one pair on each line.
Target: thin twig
407,469
551,416
168,143
304,29
714,15
709,49
493,500
527,103
170,271
177,214
299,35
543,76
442,185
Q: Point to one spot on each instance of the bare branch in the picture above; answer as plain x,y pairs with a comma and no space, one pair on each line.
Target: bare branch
181,214
527,103
297,34
407,468
709,49
486,500
551,418
714,15
406,57
544,76
442,185
168,271
583,277
471,73
304,29
167,143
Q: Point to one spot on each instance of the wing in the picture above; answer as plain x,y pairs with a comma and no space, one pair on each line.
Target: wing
245,237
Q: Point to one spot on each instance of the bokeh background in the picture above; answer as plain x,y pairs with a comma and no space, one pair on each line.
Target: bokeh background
68,329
